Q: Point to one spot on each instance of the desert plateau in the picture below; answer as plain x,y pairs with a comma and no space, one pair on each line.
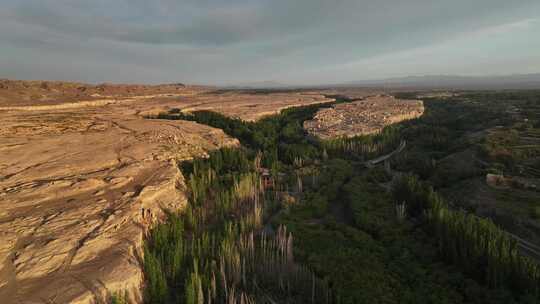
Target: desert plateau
269,152
85,175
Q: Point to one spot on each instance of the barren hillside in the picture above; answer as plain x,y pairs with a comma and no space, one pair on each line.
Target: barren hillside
81,180
362,117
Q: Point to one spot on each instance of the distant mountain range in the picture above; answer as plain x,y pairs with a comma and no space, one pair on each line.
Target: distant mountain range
522,81
518,81
259,85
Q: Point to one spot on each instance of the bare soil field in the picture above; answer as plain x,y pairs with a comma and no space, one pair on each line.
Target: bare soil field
363,117
251,107
83,177
25,93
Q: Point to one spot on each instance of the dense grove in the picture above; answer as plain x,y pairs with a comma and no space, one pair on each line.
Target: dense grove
217,252
461,139
290,219
475,244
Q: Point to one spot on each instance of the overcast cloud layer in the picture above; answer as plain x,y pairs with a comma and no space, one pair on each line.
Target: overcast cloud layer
244,41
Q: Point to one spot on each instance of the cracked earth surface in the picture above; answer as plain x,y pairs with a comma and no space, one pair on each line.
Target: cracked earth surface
81,183
78,190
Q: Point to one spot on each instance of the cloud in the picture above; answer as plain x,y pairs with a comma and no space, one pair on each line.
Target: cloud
236,40
500,49
230,22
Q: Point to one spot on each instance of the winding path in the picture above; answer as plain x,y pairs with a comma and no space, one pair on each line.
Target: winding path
373,162
525,247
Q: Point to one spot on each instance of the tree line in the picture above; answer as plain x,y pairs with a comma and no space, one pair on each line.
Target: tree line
216,250
475,244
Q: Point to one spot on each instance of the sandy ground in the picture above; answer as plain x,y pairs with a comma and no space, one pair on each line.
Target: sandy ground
362,117
81,181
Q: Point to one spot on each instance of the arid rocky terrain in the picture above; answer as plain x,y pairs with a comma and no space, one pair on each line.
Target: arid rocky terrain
24,93
362,117
83,175
251,107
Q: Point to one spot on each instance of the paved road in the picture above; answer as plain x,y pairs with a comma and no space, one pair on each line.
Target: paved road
526,248
378,160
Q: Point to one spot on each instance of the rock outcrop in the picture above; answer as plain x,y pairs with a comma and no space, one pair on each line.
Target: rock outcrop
254,106
362,117
83,176
79,187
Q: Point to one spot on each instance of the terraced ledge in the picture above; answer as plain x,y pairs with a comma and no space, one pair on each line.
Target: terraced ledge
82,180
362,117
79,190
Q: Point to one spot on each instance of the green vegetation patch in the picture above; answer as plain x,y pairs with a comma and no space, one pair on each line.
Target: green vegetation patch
289,219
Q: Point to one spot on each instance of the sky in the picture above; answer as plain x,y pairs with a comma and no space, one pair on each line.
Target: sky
299,42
